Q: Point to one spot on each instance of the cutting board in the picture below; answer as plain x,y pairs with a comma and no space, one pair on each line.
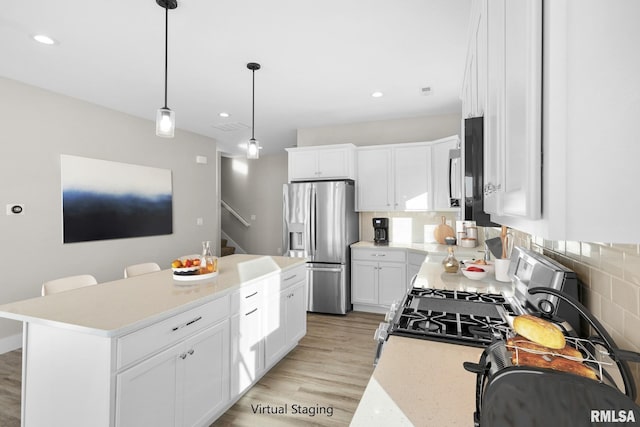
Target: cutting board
442,231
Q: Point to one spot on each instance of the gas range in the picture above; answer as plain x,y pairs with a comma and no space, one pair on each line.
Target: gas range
478,319
460,317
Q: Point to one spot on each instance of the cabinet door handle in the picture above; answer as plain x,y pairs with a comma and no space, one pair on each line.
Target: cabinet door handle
249,296
183,356
191,351
175,328
289,278
251,312
378,254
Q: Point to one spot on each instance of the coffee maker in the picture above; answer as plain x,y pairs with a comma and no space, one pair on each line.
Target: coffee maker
381,231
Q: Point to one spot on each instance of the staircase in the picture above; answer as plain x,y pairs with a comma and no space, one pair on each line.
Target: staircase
226,250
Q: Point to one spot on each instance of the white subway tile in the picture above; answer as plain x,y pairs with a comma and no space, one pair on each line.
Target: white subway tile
631,329
632,268
611,261
625,295
572,250
600,283
590,254
612,314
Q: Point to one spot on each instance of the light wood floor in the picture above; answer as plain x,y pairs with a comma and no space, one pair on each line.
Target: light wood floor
329,370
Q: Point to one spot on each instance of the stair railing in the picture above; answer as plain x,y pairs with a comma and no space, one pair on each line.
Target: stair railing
235,214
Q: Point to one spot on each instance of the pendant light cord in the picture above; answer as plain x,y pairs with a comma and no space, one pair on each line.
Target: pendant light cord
166,51
253,103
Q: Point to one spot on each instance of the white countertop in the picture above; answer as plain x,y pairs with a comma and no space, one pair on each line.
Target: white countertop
421,383
118,307
432,275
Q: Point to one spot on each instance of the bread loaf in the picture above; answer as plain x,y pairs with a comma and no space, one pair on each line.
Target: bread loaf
522,358
525,344
539,331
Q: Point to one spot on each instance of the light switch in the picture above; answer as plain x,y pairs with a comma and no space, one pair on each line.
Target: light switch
202,160
199,221
253,217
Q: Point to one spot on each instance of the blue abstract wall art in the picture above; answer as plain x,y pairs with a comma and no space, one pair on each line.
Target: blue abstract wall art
109,200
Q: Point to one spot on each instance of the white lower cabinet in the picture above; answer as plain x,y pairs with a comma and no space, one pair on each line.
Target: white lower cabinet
286,322
247,344
376,284
285,314
184,385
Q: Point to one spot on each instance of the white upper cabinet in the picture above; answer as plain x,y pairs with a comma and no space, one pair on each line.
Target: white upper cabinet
513,120
393,177
405,177
563,75
321,162
412,165
374,181
474,83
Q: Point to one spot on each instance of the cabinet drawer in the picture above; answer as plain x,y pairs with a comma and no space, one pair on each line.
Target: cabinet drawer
379,255
249,296
138,344
293,276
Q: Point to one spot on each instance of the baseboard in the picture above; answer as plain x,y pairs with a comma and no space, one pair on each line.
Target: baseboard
10,343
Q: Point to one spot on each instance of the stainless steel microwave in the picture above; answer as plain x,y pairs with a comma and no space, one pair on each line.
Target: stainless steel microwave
474,173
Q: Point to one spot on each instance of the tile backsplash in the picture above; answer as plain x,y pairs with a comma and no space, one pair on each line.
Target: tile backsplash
610,277
404,227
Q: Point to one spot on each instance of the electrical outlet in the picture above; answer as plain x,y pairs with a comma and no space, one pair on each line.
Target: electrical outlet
253,217
199,221
15,209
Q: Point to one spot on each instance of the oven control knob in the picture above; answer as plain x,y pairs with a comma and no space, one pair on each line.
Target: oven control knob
381,333
392,312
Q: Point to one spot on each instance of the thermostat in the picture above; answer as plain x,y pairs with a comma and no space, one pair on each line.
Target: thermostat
15,209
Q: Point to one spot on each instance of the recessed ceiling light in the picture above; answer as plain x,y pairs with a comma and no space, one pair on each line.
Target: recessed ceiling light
41,38
223,114
377,94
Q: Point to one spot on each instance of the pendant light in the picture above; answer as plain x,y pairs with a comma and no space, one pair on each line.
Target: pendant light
253,148
165,118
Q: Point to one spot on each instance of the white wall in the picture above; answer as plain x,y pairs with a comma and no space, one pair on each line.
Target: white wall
38,126
254,187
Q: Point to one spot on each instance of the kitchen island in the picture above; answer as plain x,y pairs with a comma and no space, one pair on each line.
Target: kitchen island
422,382
150,350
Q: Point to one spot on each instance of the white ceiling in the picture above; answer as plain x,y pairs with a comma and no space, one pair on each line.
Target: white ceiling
321,60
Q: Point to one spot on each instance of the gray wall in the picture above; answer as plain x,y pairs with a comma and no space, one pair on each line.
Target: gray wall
254,187
414,129
38,126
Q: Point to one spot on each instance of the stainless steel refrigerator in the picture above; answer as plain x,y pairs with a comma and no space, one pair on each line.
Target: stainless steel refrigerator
319,223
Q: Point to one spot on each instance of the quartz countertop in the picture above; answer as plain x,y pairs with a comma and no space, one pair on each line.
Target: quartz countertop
421,383
118,307
432,275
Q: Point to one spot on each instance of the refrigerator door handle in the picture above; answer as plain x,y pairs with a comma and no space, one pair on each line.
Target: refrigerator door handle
312,222
329,269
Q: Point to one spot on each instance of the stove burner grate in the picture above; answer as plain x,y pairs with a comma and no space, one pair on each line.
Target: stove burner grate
453,316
